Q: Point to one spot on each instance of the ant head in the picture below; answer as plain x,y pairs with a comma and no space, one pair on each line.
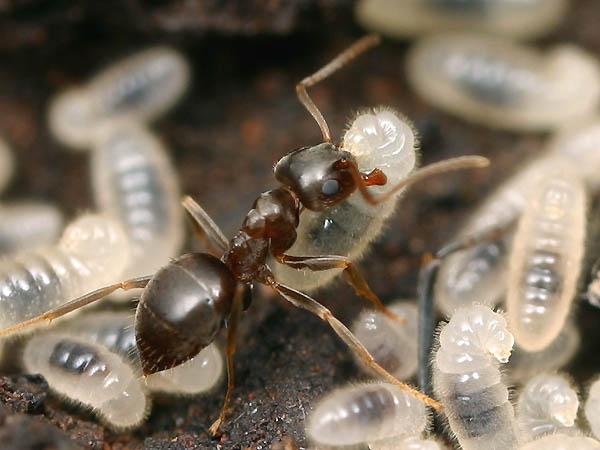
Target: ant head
320,176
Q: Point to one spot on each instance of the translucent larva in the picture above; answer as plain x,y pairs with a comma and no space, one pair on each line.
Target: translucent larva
592,408
546,259
115,331
7,164
467,379
503,85
28,225
365,413
391,343
142,87
406,18
92,252
547,404
90,375
134,182
562,442
378,139
410,443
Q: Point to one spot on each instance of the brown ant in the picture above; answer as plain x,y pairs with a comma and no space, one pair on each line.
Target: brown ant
186,303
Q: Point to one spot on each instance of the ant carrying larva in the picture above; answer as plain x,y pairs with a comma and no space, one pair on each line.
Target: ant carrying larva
184,304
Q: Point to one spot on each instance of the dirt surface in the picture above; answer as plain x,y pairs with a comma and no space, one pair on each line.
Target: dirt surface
239,117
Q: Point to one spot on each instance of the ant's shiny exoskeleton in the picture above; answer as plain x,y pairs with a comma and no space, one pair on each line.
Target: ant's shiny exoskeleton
186,303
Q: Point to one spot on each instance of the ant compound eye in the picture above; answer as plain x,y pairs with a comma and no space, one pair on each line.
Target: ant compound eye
330,187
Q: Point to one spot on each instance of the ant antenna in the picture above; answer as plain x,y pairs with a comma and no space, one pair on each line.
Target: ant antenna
335,64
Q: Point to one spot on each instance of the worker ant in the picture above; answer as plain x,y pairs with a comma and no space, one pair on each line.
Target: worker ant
186,303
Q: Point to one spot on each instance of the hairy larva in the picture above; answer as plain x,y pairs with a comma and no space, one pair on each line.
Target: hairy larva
364,413
391,343
562,442
142,87
28,225
592,408
503,85
547,404
515,19
90,375
546,259
468,382
7,164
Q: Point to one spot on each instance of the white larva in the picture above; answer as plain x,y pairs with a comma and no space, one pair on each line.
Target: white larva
90,375
547,404
92,252
378,139
363,413
468,382
134,182
592,408
391,343
408,443
115,331
28,225
7,164
141,87
504,85
546,259
562,442
407,18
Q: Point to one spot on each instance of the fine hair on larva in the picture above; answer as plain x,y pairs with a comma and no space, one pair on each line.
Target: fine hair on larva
27,225
408,18
502,84
379,138
468,382
92,252
546,259
365,413
591,408
547,404
141,86
562,442
90,375
393,344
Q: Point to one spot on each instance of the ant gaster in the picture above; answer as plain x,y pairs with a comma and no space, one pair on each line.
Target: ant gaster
186,303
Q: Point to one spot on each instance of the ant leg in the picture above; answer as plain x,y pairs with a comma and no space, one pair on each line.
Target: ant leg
236,313
135,283
334,65
206,229
350,274
300,300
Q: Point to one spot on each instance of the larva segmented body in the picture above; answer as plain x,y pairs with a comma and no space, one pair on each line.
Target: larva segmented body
92,253
391,343
365,413
562,442
7,165
546,259
28,225
90,375
468,382
406,18
547,405
592,408
504,85
135,183
115,331
141,87
377,139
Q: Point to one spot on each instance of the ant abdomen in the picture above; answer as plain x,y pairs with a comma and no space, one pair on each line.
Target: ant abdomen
141,86
92,252
134,182
90,375
365,413
546,260
468,383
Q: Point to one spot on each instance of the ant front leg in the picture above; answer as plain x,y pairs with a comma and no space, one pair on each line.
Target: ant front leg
350,274
206,229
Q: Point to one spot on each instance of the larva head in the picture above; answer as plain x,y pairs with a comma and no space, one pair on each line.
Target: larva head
181,310
320,176
72,118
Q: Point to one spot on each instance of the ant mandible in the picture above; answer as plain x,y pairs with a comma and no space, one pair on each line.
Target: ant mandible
186,303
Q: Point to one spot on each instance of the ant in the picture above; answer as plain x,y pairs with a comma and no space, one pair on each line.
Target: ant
186,303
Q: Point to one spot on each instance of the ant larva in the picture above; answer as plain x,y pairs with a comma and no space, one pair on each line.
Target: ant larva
408,443
592,408
365,413
501,84
562,442
142,86
185,304
547,405
407,18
